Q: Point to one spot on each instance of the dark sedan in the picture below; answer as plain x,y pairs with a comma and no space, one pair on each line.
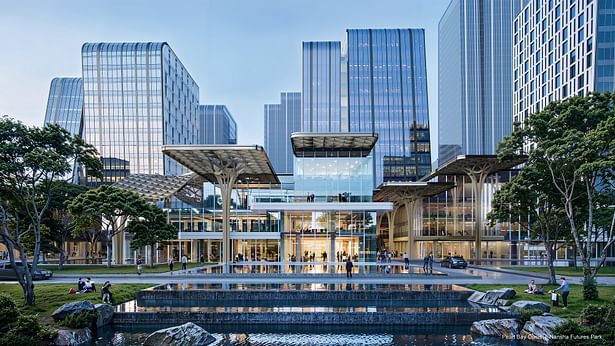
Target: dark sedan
454,262
7,273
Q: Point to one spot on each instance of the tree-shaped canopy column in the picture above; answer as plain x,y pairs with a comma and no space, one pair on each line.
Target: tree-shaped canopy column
410,196
477,168
228,166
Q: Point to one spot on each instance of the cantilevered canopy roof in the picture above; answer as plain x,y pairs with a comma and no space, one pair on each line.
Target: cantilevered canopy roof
395,191
251,162
462,163
314,143
155,187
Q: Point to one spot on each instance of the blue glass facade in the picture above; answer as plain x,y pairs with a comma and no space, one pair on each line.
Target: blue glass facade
65,108
605,47
474,76
281,120
321,87
217,125
138,97
387,95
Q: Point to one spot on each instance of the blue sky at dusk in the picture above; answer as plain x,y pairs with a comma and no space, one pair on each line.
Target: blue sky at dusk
241,53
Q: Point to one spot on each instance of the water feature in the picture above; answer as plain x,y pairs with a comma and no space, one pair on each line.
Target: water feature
284,335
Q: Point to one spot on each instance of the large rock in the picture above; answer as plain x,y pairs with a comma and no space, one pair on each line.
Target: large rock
73,308
507,328
105,314
540,328
530,305
73,337
184,335
493,297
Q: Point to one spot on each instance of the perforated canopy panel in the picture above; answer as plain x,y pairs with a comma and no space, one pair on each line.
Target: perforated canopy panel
459,165
305,142
395,191
251,162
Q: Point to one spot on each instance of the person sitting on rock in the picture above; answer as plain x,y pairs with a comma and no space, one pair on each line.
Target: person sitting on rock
531,287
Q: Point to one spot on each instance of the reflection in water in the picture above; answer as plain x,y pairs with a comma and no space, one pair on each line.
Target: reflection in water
184,285
263,267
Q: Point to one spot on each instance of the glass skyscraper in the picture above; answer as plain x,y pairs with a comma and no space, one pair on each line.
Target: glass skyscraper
474,76
321,90
217,125
137,97
561,49
387,95
65,108
281,120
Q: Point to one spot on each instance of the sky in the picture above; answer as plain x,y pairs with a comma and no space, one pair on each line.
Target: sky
241,53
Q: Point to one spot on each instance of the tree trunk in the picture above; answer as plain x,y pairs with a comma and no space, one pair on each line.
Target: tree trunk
62,259
151,255
109,240
549,253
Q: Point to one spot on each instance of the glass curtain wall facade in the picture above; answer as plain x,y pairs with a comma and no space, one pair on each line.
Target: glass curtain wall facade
474,76
216,125
321,87
137,97
281,120
65,108
387,95
561,48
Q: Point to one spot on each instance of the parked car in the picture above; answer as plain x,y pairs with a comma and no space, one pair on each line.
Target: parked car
7,273
454,262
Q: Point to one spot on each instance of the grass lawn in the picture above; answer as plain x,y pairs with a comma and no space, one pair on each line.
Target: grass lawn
575,299
51,296
566,271
116,269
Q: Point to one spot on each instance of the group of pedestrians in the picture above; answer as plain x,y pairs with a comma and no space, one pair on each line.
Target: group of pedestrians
428,263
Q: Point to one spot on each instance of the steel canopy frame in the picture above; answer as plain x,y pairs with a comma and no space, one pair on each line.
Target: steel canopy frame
478,168
410,195
228,166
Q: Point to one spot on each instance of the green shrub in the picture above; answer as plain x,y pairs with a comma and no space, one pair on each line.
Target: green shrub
593,314
81,320
526,314
590,289
8,310
566,332
15,339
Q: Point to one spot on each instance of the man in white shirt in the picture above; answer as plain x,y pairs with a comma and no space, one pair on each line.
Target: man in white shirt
184,263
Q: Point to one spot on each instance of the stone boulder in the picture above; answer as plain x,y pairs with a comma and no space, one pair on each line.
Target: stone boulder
184,335
540,328
73,337
529,305
105,314
73,308
493,297
507,328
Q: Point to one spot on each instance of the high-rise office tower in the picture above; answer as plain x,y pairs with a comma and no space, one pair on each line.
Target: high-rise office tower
387,95
561,48
137,97
321,87
474,76
281,120
65,108
217,125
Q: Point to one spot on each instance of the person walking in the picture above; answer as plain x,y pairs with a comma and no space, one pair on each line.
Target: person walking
565,291
430,262
425,263
349,266
139,265
406,260
171,264
184,263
